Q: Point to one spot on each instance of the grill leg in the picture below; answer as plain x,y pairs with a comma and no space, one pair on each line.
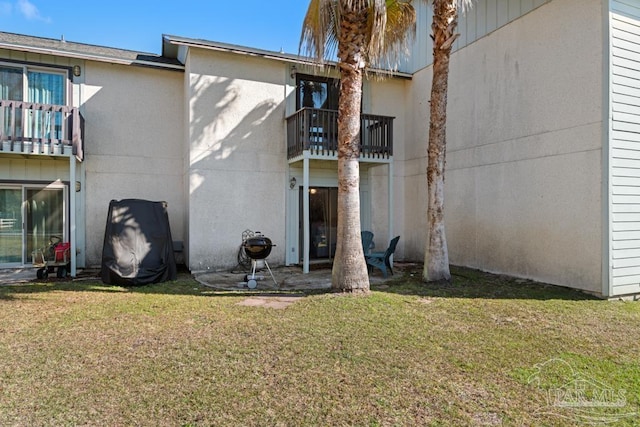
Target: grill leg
253,268
268,268
252,283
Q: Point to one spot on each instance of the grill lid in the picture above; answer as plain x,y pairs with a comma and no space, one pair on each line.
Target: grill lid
258,247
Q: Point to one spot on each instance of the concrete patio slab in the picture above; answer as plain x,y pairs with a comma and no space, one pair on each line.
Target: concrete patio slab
13,276
286,279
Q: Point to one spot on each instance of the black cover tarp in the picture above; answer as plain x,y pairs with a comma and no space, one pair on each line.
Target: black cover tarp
138,249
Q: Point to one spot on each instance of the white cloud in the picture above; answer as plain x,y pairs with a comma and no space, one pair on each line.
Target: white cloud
30,11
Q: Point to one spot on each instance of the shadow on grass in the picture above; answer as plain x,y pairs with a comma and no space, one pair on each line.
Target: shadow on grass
470,283
185,284
465,283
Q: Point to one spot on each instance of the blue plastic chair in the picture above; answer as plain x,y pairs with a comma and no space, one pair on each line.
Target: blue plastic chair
380,260
367,240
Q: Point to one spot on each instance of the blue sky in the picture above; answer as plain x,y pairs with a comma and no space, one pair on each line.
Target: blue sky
139,25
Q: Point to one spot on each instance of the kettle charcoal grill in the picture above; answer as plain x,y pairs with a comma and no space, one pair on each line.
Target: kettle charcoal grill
257,247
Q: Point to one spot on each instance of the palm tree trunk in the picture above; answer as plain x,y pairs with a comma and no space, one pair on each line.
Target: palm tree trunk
349,272
445,19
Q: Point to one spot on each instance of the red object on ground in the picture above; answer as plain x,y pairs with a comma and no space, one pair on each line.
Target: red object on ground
60,250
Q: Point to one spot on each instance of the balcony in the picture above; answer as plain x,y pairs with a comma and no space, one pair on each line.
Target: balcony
40,129
316,131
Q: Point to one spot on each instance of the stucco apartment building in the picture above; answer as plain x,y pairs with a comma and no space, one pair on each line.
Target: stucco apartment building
542,176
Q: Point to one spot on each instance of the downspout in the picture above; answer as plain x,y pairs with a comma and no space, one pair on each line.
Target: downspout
607,123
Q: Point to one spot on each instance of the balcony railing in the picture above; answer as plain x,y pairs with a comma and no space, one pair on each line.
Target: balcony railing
316,130
31,128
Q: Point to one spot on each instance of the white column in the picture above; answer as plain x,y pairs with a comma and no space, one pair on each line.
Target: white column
72,213
391,207
305,213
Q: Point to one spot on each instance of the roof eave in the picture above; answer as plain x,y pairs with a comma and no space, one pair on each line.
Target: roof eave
170,45
88,56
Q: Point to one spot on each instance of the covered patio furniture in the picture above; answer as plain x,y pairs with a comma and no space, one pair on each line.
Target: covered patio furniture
380,260
138,248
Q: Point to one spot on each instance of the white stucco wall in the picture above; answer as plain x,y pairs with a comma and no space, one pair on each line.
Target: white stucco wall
412,167
523,179
133,143
238,161
386,97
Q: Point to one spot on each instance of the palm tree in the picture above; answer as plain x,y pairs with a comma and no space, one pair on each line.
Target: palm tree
365,32
445,21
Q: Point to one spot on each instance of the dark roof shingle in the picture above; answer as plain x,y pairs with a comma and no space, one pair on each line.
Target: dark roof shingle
81,50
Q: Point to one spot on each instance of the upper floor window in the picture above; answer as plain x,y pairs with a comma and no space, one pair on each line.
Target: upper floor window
32,85
11,87
317,92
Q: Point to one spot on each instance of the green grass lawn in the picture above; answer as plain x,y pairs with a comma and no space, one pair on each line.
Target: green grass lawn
485,350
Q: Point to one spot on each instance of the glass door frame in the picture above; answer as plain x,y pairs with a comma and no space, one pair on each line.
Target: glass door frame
24,188
322,236
20,227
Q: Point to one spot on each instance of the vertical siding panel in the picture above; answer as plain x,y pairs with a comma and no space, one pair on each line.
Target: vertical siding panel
422,48
526,6
462,30
492,15
427,51
462,23
471,27
503,12
625,146
514,9
481,18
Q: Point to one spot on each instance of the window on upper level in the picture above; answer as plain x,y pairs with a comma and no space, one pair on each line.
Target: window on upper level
38,86
11,84
317,92
32,85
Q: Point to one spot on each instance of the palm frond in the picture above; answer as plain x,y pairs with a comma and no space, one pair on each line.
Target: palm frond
464,5
376,28
390,29
319,32
399,33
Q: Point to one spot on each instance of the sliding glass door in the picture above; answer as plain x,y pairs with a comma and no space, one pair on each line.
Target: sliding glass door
323,220
44,215
10,226
29,217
